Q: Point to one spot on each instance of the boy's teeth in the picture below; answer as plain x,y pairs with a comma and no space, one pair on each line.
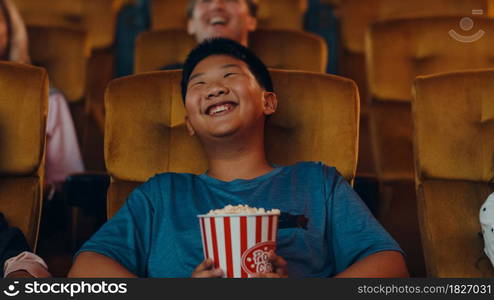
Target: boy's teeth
218,109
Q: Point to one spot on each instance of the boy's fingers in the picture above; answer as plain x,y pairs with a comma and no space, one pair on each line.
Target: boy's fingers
266,275
207,264
279,264
216,273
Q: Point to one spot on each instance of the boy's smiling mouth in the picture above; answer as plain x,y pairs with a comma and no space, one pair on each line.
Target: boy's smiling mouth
220,109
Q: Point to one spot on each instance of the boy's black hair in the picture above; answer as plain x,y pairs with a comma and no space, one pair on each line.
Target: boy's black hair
222,46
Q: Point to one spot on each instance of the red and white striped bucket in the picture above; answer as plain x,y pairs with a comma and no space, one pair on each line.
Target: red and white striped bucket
239,244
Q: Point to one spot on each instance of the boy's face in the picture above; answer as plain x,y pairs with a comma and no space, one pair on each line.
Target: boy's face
224,98
221,18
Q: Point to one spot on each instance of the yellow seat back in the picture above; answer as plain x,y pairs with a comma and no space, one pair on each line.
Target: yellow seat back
453,117
23,109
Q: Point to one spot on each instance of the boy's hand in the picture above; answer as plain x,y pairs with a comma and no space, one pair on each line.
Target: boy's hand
279,265
206,270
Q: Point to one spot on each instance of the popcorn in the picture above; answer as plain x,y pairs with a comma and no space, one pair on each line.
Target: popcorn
241,209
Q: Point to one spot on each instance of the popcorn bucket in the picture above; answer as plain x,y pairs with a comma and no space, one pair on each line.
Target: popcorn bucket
239,244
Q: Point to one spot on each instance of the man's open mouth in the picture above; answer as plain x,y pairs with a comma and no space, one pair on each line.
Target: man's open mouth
217,21
220,109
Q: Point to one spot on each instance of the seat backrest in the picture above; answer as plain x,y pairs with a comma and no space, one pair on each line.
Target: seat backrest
156,49
64,53
453,118
145,131
23,109
357,15
96,17
282,14
168,14
290,49
397,52
400,50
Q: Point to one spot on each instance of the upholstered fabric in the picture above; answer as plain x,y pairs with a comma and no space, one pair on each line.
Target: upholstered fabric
23,110
398,51
145,132
453,119
156,49
64,53
168,14
290,49
449,218
357,15
117,193
454,122
97,17
22,118
282,14
20,202
101,20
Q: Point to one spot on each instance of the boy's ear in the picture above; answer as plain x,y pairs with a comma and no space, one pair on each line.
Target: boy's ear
270,103
190,129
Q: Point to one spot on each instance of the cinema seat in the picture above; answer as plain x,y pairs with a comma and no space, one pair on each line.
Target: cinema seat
97,17
23,109
282,14
155,49
168,14
64,53
356,16
146,134
453,120
398,51
290,49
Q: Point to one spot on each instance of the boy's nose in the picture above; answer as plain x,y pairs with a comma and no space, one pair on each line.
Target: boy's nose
217,90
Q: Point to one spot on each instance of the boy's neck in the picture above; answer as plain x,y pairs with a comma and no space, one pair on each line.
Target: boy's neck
237,160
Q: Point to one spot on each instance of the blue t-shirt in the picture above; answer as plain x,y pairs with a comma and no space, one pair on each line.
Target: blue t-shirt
156,233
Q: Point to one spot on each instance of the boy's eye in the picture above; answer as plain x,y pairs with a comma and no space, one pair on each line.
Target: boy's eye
229,74
197,83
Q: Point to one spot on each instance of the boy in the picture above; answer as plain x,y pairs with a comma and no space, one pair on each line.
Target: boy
228,94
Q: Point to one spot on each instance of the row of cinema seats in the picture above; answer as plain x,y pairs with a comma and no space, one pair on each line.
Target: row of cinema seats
453,117
385,44
75,41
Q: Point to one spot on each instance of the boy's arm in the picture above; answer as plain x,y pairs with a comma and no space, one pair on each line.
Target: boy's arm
95,265
381,265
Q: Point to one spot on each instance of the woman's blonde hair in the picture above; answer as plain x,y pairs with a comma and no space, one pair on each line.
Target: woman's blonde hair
18,47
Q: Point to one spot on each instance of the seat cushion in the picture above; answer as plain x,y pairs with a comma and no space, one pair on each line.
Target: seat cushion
449,219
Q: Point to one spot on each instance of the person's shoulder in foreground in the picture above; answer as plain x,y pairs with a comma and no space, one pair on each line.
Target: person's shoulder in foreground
228,94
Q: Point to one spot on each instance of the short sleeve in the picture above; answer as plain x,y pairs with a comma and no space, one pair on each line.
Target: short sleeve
126,237
355,234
